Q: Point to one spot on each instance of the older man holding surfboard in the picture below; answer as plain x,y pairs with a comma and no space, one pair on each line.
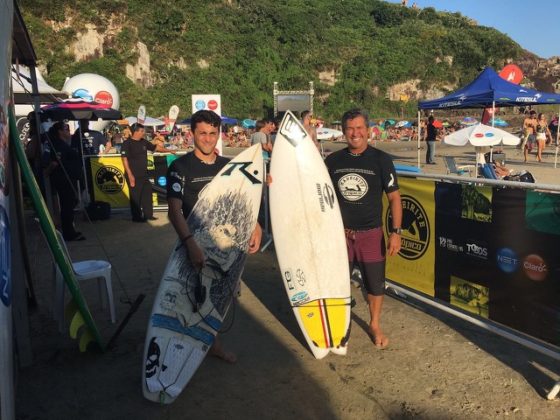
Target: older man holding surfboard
361,174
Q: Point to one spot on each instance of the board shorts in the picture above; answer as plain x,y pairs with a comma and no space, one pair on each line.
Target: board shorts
366,250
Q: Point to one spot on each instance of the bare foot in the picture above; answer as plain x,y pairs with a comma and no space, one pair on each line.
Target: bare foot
218,351
380,340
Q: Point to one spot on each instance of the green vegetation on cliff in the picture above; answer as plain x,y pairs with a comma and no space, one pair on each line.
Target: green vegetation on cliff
238,48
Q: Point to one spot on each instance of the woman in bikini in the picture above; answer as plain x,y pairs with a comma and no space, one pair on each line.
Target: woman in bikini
542,133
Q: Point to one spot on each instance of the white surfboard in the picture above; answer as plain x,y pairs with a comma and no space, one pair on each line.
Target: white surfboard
182,328
309,239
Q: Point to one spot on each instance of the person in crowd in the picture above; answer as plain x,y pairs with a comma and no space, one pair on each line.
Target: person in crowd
529,130
542,134
159,139
134,154
431,134
117,140
186,177
126,133
65,171
92,142
306,118
261,136
553,127
361,174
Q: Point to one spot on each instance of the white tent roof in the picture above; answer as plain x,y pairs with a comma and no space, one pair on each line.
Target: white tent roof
21,85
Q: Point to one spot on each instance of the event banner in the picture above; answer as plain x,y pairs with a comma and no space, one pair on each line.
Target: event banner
414,265
108,182
497,255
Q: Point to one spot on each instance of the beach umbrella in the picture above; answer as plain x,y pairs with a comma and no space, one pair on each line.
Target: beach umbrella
228,120
78,109
482,137
438,124
248,123
469,121
403,124
498,122
148,122
389,122
328,133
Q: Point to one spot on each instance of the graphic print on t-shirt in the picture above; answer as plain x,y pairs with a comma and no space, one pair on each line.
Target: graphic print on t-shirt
353,187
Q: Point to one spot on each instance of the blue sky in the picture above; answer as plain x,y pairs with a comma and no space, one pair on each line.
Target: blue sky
535,25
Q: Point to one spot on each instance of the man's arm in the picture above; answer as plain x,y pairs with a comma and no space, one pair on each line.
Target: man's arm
255,240
175,214
395,204
161,149
131,179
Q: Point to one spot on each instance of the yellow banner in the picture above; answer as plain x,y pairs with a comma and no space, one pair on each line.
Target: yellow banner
109,185
414,265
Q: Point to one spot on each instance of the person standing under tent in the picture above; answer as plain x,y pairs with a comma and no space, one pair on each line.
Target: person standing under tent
529,130
361,174
186,177
65,170
431,138
134,154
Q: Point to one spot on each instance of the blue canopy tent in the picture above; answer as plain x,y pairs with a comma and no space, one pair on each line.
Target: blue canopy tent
488,90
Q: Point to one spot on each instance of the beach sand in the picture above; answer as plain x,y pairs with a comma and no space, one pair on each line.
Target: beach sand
436,367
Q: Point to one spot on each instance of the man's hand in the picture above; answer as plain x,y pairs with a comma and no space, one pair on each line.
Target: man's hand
131,180
195,254
394,245
255,240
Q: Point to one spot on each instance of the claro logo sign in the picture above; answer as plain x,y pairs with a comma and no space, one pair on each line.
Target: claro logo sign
535,267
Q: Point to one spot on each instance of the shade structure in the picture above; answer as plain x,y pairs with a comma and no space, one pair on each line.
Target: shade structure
481,135
328,133
76,109
148,122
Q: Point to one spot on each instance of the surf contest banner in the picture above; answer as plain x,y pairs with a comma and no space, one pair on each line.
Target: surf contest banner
492,252
107,181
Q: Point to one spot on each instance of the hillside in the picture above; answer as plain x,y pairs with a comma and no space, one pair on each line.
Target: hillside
358,53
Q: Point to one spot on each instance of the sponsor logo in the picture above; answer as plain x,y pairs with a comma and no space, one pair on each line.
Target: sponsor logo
448,244
353,187
300,277
82,94
535,267
199,104
176,187
300,297
526,99
212,105
326,196
416,228
243,169
109,179
476,250
507,260
162,181
105,98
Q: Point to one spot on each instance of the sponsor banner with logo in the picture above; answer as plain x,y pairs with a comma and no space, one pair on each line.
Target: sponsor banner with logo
108,181
109,184
493,253
414,265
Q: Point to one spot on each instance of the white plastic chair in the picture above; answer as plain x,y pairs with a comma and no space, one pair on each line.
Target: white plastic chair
84,270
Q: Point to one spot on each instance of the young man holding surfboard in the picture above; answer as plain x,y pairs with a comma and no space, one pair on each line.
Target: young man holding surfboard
361,174
186,177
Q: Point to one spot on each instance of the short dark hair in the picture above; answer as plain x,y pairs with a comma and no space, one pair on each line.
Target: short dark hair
431,118
59,125
260,124
305,114
136,126
354,113
205,116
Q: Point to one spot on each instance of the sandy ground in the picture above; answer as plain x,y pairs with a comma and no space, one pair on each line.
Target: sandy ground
437,367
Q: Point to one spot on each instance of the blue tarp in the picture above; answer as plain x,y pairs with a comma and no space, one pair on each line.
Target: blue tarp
487,88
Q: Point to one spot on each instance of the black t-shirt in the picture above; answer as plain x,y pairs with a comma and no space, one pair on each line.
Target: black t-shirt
136,151
91,140
187,176
431,132
359,181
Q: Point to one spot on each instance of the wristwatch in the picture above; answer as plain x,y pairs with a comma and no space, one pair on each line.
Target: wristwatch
396,230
